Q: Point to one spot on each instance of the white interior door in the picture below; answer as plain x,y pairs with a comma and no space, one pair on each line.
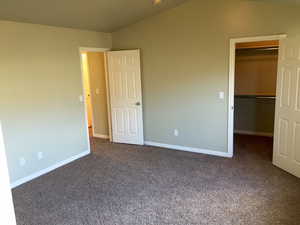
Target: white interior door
124,75
287,119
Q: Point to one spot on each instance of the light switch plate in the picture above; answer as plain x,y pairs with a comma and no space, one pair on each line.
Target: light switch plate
81,98
221,95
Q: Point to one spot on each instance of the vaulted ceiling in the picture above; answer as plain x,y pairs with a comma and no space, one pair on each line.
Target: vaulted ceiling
98,15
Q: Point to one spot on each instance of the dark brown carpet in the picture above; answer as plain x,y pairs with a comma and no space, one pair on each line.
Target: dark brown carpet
132,185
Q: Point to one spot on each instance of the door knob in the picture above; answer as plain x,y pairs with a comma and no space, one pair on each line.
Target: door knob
137,103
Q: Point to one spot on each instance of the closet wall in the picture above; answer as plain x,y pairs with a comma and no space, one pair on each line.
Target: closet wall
255,90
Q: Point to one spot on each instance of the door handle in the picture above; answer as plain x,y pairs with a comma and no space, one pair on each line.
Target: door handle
137,103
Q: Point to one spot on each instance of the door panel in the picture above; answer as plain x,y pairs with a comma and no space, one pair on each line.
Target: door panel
297,143
298,91
285,87
287,119
126,96
283,137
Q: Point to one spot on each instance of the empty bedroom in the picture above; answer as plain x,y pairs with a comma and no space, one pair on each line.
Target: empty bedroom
157,112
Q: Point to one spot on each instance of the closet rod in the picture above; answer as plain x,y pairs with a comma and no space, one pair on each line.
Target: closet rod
266,97
255,96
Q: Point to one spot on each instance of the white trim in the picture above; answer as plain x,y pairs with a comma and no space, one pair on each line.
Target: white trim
7,213
108,98
48,169
233,42
104,136
254,133
87,49
104,50
189,149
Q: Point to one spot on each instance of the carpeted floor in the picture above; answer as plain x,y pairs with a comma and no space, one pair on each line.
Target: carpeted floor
132,185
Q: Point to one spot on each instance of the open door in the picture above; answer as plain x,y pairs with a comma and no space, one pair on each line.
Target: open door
287,119
124,75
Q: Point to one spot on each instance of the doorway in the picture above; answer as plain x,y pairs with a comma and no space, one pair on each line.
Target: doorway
252,90
256,66
93,62
286,145
113,95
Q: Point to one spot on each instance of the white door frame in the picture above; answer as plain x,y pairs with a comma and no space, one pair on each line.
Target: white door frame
104,50
233,42
7,212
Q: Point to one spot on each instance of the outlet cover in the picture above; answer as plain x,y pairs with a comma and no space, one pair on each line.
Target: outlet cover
22,162
40,155
176,133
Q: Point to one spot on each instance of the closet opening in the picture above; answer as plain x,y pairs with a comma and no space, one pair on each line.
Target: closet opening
255,80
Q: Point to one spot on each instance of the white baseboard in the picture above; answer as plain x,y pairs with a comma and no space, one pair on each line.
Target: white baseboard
104,136
48,169
189,149
253,133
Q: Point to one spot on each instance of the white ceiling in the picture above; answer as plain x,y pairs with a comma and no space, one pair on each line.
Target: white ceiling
98,15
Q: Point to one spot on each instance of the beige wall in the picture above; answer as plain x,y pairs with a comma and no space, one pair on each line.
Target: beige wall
185,58
96,64
40,85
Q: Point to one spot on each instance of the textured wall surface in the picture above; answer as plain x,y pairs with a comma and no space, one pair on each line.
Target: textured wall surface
40,85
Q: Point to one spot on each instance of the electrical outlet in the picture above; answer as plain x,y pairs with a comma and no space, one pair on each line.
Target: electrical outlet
40,155
22,162
176,133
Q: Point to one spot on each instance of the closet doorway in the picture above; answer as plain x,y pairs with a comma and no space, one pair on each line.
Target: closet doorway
286,124
256,66
254,89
